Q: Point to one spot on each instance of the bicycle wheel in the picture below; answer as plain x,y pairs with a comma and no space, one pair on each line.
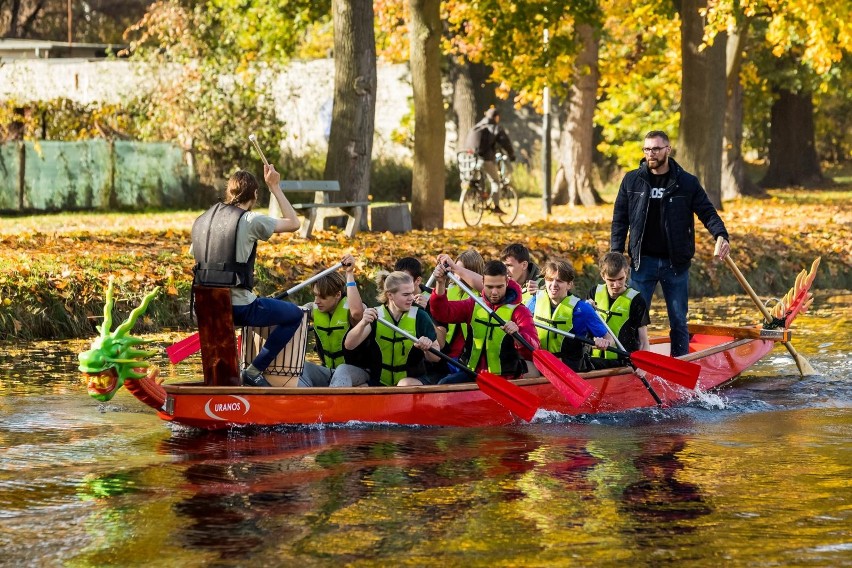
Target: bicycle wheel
471,206
509,204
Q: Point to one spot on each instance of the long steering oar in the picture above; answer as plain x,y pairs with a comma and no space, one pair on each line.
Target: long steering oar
674,370
805,368
179,351
567,382
512,397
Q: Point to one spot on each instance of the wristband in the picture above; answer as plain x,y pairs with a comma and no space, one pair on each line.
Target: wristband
351,284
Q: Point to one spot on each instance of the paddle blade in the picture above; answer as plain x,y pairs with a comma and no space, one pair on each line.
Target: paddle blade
512,397
567,382
179,351
684,373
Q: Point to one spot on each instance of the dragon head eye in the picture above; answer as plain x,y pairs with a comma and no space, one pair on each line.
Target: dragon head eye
92,361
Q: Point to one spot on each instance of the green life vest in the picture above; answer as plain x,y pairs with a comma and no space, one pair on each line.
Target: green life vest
617,313
394,347
330,328
488,335
455,293
561,318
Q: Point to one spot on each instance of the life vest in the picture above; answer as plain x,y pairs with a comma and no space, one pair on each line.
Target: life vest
330,328
618,312
455,293
561,318
214,246
394,347
488,336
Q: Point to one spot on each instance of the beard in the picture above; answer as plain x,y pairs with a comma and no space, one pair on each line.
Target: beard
654,163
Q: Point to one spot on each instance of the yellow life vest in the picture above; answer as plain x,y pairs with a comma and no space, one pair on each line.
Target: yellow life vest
455,293
618,312
394,347
561,318
330,328
488,335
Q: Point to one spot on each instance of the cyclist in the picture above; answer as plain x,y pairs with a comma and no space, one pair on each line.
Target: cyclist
484,139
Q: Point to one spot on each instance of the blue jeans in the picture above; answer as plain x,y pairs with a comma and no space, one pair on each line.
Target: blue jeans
457,378
268,312
675,286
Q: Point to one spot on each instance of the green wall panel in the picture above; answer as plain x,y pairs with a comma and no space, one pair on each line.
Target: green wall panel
151,173
62,176
10,177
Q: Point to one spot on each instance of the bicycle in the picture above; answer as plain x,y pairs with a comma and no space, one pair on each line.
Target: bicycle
475,197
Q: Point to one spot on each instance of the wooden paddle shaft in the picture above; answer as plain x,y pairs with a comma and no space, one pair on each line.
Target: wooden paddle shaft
253,140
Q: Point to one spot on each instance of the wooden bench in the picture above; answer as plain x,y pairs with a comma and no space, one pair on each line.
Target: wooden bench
313,212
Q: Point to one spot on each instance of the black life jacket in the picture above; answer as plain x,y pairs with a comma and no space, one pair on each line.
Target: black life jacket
214,246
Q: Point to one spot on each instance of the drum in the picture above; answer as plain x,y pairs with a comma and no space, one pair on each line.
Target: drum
287,367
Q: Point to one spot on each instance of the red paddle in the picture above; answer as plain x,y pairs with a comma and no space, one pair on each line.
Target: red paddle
179,351
567,382
674,370
509,395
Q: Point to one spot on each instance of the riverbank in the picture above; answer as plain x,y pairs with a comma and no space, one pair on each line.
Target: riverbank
53,268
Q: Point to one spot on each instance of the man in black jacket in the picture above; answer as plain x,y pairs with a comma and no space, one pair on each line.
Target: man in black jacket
656,204
484,139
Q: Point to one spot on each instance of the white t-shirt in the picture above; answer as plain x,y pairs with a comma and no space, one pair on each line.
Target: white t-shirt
251,228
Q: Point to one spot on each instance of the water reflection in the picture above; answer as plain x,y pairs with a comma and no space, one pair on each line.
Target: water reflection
659,498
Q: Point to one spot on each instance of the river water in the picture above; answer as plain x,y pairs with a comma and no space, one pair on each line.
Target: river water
758,474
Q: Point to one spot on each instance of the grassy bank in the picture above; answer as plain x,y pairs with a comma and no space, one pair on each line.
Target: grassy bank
53,268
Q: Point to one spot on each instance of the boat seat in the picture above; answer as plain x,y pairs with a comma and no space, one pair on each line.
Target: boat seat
700,342
216,331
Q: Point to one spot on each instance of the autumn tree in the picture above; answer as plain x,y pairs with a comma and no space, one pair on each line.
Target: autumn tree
350,144
703,101
429,175
511,40
640,72
215,60
808,39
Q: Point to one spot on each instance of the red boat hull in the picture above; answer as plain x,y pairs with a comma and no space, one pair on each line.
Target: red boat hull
616,390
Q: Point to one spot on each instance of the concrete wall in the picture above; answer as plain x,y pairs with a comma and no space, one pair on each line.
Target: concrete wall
303,93
91,174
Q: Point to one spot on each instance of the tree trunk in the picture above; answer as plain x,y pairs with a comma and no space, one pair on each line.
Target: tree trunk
703,102
429,175
350,144
792,151
576,139
735,182
464,100
12,28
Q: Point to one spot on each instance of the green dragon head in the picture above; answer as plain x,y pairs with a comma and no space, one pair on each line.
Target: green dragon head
114,356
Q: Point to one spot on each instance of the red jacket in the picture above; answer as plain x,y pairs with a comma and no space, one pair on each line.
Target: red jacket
461,311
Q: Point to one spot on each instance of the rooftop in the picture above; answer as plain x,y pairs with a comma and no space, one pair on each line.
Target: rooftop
46,49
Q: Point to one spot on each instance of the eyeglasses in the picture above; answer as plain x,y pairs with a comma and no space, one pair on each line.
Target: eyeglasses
654,150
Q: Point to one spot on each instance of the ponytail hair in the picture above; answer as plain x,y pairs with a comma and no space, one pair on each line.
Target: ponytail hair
242,188
390,282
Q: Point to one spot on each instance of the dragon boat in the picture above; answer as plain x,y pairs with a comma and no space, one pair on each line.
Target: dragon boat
217,401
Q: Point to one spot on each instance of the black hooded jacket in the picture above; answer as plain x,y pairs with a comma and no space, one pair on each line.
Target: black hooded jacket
683,198
486,136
